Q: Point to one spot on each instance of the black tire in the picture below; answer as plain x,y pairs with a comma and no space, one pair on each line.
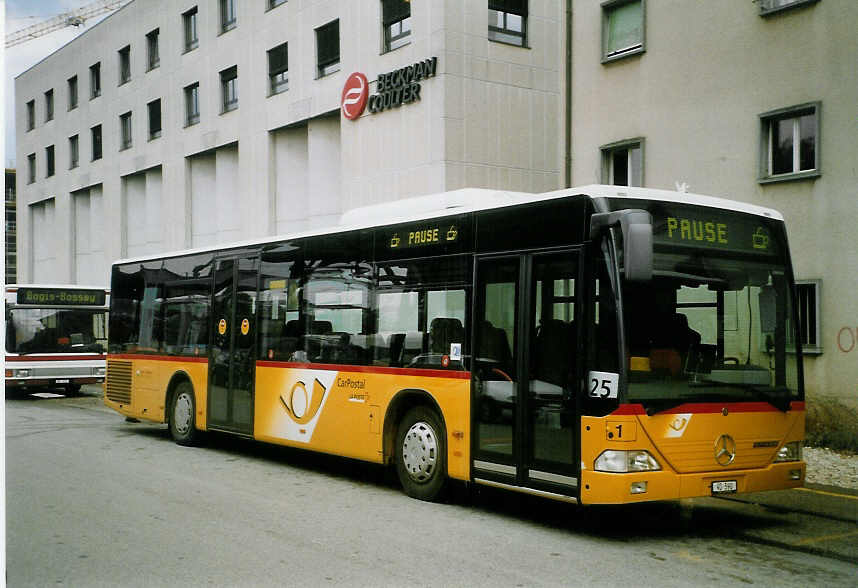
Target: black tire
181,418
72,389
421,454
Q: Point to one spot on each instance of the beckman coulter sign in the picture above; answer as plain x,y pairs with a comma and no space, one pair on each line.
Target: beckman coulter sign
393,89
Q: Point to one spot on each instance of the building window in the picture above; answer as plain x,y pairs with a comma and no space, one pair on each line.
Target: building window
154,108
278,68
508,21
229,88
72,92
275,3
227,15
328,48
124,131
95,80
153,53
622,28
789,143
31,115
74,151
49,161
124,65
49,105
768,7
96,142
396,20
622,163
192,104
31,168
189,20
808,297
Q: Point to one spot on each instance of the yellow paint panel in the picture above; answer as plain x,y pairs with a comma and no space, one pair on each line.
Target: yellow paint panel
149,380
690,440
343,412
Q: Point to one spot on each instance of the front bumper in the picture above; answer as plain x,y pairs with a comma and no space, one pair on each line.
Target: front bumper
609,488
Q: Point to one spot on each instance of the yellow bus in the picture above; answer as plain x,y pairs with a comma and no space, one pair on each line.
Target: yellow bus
599,345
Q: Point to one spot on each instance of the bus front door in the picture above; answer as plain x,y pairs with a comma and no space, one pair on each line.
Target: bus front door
232,353
525,374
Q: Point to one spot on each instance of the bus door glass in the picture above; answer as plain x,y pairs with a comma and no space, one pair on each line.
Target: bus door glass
525,370
232,358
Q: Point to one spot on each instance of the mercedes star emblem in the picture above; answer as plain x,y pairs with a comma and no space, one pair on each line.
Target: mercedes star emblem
725,450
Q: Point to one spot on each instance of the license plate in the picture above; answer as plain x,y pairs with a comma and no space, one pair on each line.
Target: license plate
62,381
725,486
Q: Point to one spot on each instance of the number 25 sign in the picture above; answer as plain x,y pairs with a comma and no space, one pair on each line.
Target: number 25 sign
603,384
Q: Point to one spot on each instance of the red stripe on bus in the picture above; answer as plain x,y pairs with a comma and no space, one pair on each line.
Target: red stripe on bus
629,409
143,356
363,369
706,408
53,357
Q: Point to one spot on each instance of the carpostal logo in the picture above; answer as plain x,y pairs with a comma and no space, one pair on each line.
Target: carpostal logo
302,399
355,95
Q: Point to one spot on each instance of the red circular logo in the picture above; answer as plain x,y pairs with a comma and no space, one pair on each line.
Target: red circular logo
355,94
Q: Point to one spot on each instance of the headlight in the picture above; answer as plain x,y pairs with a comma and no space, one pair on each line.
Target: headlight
789,452
22,373
99,371
616,461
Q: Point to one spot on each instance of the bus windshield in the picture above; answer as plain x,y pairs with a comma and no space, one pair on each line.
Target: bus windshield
56,330
716,322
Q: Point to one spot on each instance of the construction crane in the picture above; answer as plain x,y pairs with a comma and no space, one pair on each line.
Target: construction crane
72,18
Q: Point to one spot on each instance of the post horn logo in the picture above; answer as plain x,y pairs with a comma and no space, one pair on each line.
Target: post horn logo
355,95
299,406
725,450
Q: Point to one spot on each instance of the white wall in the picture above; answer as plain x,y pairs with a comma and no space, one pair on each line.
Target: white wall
44,241
323,172
203,204
291,179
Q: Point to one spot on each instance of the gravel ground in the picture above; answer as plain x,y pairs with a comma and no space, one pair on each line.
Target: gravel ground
828,467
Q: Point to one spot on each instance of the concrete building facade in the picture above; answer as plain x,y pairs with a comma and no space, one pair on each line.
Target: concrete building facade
235,127
714,96
280,156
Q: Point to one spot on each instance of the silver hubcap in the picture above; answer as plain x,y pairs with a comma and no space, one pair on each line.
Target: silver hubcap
420,452
182,413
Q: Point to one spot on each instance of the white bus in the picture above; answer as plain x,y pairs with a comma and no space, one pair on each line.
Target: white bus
56,336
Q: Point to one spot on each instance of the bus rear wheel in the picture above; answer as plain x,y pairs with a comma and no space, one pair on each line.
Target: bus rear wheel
421,459
182,411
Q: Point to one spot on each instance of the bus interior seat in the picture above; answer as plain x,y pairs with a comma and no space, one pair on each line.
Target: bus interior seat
321,327
554,351
495,345
442,332
396,349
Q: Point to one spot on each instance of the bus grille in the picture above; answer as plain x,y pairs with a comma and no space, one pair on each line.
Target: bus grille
119,381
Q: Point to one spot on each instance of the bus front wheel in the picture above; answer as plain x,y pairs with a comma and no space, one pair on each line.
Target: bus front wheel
182,411
421,460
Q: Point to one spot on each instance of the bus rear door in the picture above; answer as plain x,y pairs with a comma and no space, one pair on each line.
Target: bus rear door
232,352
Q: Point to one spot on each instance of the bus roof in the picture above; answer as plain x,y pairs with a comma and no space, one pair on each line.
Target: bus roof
470,200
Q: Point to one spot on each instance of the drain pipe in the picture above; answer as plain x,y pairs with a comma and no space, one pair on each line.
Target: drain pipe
568,127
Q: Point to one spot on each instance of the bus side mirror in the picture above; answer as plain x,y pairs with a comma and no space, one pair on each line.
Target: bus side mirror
636,227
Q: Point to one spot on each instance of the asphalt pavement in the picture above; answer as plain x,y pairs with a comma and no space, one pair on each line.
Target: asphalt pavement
822,520
815,519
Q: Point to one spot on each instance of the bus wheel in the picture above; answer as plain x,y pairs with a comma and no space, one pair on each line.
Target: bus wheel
72,389
421,459
182,411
